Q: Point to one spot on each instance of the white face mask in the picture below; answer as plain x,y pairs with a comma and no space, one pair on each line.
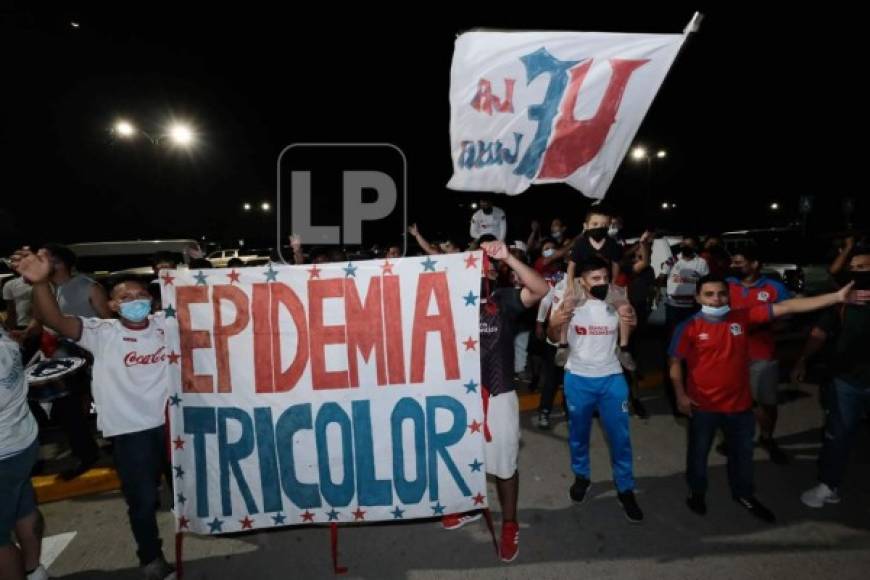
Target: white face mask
548,252
716,311
556,233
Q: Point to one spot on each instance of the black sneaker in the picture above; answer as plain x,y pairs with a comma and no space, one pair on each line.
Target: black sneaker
777,455
638,409
697,503
756,508
544,421
578,490
633,512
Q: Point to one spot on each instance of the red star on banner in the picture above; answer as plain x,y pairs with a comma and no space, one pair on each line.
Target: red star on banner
179,443
308,517
247,523
387,268
173,357
183,523
358,514
470,262
470,344
167,279
478,499
233,276
313,272
475,426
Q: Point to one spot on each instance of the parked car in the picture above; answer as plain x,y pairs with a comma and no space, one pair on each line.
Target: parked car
250,257
132,257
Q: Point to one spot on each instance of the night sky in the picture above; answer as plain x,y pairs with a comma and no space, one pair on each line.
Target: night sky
752,112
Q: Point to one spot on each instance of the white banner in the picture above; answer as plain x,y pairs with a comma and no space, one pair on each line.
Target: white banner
544,107
325,393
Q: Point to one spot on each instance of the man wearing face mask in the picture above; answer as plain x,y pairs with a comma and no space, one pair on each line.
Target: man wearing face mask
715,391
615,230
595,242
488,220
558,232
749,288
680,275
550,260
130,379
594,381
845,330
77,295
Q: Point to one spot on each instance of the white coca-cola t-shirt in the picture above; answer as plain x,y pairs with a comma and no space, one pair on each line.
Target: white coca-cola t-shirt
130,377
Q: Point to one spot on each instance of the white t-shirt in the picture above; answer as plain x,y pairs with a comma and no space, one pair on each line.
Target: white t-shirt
20,292
683,276
18,428
130,375
592,337
494,223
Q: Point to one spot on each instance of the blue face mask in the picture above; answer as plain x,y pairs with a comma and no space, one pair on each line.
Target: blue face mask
136,310
717,312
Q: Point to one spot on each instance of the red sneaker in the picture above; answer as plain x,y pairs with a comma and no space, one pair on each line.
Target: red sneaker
510,542
456,521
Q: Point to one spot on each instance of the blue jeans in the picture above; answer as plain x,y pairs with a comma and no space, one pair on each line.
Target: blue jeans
139,459
17,498
739,435
609,395
845,405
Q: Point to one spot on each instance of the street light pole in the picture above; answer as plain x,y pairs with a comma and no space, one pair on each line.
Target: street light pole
640,153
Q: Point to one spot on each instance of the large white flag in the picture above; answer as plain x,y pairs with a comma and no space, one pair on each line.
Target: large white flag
544,107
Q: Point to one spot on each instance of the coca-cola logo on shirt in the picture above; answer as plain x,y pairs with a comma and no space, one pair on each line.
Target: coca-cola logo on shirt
593,330
132,359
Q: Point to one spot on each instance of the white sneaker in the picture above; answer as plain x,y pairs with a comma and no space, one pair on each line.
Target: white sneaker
39,574
820,495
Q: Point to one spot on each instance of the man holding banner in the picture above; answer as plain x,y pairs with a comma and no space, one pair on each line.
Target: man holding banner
499,310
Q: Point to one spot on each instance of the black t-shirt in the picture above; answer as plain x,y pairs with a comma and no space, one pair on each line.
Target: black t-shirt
583,250
498,321
848,330
640,288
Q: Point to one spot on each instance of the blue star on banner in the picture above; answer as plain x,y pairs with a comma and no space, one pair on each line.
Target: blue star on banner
200,278
278,518
397,513
428,264
476,465
470,299
438,509
174,400
271,274
470,387
350,270
333,515
179,472
215,525
169,311
181,498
